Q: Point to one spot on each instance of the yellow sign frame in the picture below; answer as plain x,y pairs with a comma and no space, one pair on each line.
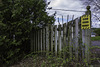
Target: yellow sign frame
85,22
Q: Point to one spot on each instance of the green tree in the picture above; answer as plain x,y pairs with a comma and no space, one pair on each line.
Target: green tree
17,19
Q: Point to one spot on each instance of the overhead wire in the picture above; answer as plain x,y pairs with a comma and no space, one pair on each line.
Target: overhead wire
66,10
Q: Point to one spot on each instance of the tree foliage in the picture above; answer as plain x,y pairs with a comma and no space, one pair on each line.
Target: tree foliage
17,19
95,7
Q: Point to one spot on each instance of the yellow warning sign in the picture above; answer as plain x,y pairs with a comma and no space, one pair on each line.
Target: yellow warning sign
85,22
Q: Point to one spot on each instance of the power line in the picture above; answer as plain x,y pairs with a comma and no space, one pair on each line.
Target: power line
66,10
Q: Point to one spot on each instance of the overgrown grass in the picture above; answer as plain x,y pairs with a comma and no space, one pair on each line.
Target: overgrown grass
49,60
95,38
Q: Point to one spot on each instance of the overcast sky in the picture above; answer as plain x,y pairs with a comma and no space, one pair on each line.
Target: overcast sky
67,5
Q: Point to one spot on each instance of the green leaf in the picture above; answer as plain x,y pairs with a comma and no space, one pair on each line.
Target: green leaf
2,24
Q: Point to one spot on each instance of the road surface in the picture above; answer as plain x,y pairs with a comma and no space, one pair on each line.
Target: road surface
95,43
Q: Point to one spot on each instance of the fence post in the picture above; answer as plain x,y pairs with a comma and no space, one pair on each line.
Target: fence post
86,36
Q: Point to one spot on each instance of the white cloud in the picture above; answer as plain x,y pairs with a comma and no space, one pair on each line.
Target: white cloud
96,24
67,5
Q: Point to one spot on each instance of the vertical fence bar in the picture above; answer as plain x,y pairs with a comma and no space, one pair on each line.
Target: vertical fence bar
34,42
55,39
70,40
76,38
31,38
38,41
59,39
67,34
83,44
64,39
74,34
67,18
51,27
47,39
43,40
62,20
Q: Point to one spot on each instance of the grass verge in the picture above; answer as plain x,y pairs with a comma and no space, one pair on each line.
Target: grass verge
95,38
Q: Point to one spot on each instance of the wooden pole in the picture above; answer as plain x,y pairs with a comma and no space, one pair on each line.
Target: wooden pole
88,36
